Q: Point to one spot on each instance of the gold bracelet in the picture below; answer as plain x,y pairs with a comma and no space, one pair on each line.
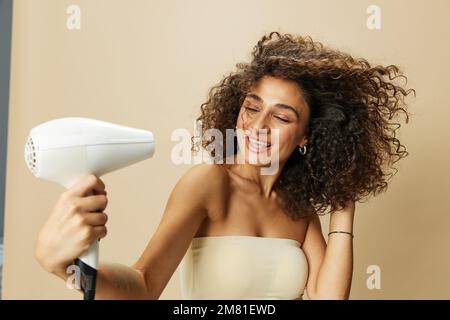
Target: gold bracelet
349,233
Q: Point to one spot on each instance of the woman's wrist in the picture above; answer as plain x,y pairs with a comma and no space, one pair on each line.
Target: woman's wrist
342,220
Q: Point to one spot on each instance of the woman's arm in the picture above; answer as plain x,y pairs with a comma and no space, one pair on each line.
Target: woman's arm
116,281
146,279
185,210
331,266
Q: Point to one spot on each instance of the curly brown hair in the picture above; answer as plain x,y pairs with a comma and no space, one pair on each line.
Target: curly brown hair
352,143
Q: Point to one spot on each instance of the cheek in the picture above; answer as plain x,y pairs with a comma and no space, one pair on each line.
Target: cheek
288,137
240,123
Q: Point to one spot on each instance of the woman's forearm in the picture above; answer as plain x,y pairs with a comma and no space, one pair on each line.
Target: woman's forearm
335,274
116,281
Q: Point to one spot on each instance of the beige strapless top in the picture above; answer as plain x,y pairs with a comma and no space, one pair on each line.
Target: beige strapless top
243,268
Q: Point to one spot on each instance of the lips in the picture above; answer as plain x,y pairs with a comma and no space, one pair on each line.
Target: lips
257,146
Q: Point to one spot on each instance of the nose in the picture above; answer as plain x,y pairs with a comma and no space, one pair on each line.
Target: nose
259,125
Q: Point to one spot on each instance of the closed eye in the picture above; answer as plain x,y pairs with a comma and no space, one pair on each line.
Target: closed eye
282,119
250,109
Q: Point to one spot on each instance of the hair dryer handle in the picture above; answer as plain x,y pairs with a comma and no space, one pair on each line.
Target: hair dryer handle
87,263
90,256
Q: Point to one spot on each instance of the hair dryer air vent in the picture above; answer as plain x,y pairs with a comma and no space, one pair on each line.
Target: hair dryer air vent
30,155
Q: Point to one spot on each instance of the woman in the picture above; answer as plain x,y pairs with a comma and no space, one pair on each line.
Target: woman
244,234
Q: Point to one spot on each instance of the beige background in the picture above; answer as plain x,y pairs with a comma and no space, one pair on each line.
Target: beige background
149,64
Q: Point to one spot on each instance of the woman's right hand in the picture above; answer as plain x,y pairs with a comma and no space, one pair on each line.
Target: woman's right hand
76,221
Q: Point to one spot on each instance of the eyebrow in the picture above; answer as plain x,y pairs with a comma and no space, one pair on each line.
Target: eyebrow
279,105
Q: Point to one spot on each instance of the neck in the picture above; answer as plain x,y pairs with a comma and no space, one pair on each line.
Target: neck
252,173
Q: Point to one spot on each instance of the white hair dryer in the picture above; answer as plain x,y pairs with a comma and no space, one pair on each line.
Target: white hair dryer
63,149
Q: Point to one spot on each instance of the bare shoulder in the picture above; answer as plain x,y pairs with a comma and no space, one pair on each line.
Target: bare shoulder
205,176
208,181
202,173
187,208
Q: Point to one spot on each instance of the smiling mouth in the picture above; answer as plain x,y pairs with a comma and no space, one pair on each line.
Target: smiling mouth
256,146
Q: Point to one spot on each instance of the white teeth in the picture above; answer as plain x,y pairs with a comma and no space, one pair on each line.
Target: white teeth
259,143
